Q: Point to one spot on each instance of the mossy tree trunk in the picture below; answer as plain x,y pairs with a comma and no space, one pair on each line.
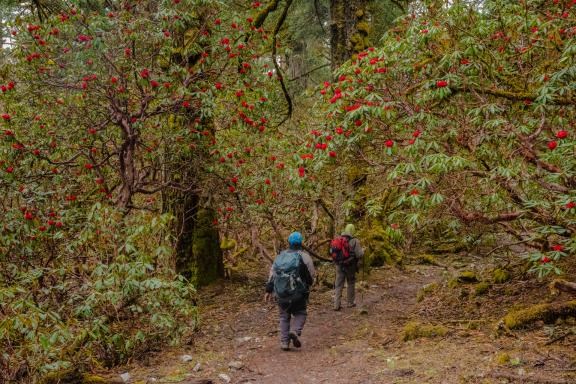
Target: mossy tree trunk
349,29
197,243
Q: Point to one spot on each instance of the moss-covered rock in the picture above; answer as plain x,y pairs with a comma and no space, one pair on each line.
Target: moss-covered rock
467,277
425,290
415,330
481,288
500,275
68,376
93,379
379,247
427,260
72,376
502,358
547,313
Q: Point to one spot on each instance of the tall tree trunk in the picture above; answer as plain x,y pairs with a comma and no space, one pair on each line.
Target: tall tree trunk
349,29
196,239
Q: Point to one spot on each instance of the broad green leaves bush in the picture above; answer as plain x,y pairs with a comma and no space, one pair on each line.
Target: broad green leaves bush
107,294
467,106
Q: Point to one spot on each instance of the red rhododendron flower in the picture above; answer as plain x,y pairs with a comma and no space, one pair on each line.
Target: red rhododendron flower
301,171
332,154
570,205
416,134
154,84
28,216
552,145
389,143
558,247
545,260
414,192
441,83
145,73
10,169
186,104
234,179
562,134
6,116
267,181
232,189
88,166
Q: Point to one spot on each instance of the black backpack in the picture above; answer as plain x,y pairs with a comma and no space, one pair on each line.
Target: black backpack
289,286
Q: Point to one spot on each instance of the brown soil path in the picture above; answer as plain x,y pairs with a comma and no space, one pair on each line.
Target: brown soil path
360,345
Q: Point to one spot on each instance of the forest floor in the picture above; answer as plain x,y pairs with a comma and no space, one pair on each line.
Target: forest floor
238,339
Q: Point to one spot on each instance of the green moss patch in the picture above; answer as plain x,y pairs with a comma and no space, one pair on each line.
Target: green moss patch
548,313
425,290
500,276
481,288
415,330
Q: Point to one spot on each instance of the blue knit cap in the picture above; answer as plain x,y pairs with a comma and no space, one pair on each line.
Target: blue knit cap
295,238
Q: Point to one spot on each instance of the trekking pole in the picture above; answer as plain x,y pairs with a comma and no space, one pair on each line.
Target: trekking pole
363,278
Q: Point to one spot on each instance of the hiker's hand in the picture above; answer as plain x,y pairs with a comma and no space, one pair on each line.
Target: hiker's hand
267,296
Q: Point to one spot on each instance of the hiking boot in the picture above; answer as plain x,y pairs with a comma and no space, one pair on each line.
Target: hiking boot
295,341
285,345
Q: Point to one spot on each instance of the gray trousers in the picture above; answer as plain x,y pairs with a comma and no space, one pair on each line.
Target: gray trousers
345,273
299,318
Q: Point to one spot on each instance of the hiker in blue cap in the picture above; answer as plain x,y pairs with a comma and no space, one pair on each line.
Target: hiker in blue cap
291,276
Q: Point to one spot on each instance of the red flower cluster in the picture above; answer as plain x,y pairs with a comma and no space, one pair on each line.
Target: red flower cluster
5,88
562,134
441,83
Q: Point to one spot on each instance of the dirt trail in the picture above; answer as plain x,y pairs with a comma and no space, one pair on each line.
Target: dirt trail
239,339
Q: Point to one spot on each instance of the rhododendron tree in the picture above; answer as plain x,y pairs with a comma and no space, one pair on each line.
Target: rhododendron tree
487,94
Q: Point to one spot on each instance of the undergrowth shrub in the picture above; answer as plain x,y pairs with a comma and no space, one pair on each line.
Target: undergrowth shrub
99,294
